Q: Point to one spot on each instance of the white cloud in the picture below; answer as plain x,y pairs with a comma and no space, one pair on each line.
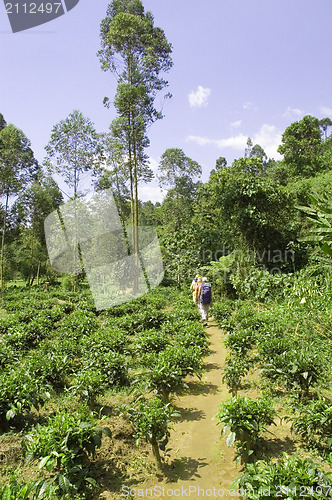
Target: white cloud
201,141
236,124
268,137
291,112
327,112
151,192
249,105
199,98
237,142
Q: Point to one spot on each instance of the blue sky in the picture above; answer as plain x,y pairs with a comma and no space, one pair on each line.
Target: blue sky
241,68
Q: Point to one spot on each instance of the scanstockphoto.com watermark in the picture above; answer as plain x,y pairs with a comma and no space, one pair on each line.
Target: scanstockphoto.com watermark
194,491
24,14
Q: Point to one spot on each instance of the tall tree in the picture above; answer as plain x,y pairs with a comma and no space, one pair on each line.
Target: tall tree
324,124
2,121
73,148
178,172
18,167
175,165
33,205
301,146
137,52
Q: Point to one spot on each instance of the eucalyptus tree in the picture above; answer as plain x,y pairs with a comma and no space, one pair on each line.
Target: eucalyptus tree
17,168
324,124
73,148
138,53
112,175
178,173
33,205
2,121
301,146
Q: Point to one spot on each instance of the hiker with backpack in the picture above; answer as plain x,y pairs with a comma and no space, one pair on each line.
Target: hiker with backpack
204,299
194,285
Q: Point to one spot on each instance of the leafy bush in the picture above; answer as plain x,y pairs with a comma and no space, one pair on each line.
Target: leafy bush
16,490
88,384
271,346
77,324
170,367
240,341
109,363
290,478
245,418
151,340
314,424
298,369
19,392
234,369
50,366
104,340
261,285
150,419
222,310
65,444
192,334
145,319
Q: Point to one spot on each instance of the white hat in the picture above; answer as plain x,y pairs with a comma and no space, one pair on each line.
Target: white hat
204,279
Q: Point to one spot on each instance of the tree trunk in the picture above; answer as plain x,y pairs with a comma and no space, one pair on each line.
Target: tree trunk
2,257
156,453
38,271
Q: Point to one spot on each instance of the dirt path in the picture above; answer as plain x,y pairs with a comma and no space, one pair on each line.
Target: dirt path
200,457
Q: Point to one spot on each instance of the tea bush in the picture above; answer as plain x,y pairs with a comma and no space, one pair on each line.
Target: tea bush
297,369
151,420
64,445
314,424
289,478
245,418
234,369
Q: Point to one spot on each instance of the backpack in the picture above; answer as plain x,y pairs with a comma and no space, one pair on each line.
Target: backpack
206,293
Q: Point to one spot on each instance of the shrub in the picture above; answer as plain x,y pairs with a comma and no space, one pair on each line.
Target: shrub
314,424
298,369
290,478
240,341
16,490
171,366
19,392
222,310
64,444
77,324
104,340
245,418
151,421
234,369
151,340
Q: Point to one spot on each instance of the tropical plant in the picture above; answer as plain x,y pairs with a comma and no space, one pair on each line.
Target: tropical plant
298,369
65,444
20,490
289,478
170,367
151,420
320,214
314,424
234,369
245,418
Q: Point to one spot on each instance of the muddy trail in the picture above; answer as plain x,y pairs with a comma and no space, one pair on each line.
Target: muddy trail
199,458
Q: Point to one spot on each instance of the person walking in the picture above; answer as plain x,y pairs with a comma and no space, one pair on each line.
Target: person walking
193,287
204,299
